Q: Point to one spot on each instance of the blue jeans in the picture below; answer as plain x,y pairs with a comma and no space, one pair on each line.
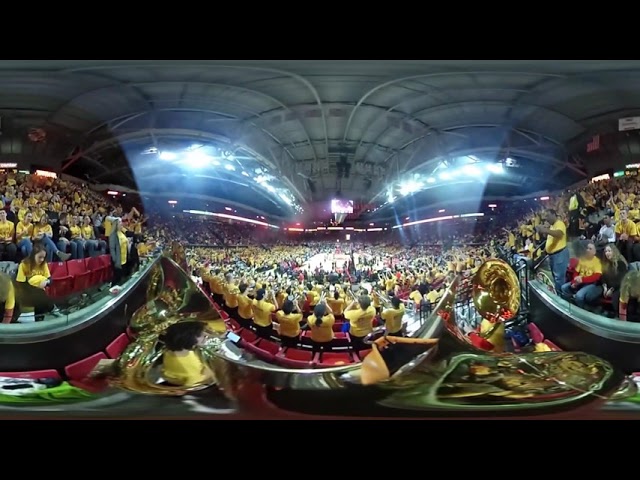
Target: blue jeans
25,246
559,262
96,247
586,294
50,247
77,249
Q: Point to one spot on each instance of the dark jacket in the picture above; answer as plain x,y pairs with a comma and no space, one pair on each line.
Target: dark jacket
613,278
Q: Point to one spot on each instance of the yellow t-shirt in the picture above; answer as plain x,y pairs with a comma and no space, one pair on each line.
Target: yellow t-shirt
393,318
627,227
586,267
433,296
361,321
107,224
416,296
6,230
40,229
124,247
185,371
231,296
324,332
34,276
336,306
262,311
289,323
76,232
244,307
23,231
554,245
87,232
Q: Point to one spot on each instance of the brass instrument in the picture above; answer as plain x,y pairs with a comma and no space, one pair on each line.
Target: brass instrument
349,293
171,297
441,374
496,290
496,297
384,299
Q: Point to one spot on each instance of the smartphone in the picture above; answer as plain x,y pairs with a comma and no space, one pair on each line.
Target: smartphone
234,337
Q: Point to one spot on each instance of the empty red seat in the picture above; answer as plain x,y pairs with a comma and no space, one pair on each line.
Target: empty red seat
332,359
258,352
61,281
115,348
105,261
98,272
234,325
33,375
82,368
248,336
81,276
269,346
295,358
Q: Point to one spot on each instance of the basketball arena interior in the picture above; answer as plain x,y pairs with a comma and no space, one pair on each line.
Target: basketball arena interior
319,239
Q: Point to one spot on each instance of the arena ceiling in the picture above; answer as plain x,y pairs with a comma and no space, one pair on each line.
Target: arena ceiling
360,128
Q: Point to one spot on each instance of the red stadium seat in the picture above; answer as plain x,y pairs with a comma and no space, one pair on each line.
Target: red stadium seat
105,261
269,346
82,368
332,359
98,270
115,348
78,373
294,358
248,336
258,352
81,276
61,281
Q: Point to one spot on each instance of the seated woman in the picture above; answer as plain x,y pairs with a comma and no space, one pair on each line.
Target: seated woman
43,233
181,365
321,326
588,273
32,279
289,319
614,268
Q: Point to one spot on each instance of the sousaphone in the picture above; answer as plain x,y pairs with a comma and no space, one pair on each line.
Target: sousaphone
436,372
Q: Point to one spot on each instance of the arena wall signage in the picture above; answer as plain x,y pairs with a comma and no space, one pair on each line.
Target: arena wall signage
629,123
599,178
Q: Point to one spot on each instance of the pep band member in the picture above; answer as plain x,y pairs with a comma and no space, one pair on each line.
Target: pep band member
181,365
393,317
321,326
360,316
